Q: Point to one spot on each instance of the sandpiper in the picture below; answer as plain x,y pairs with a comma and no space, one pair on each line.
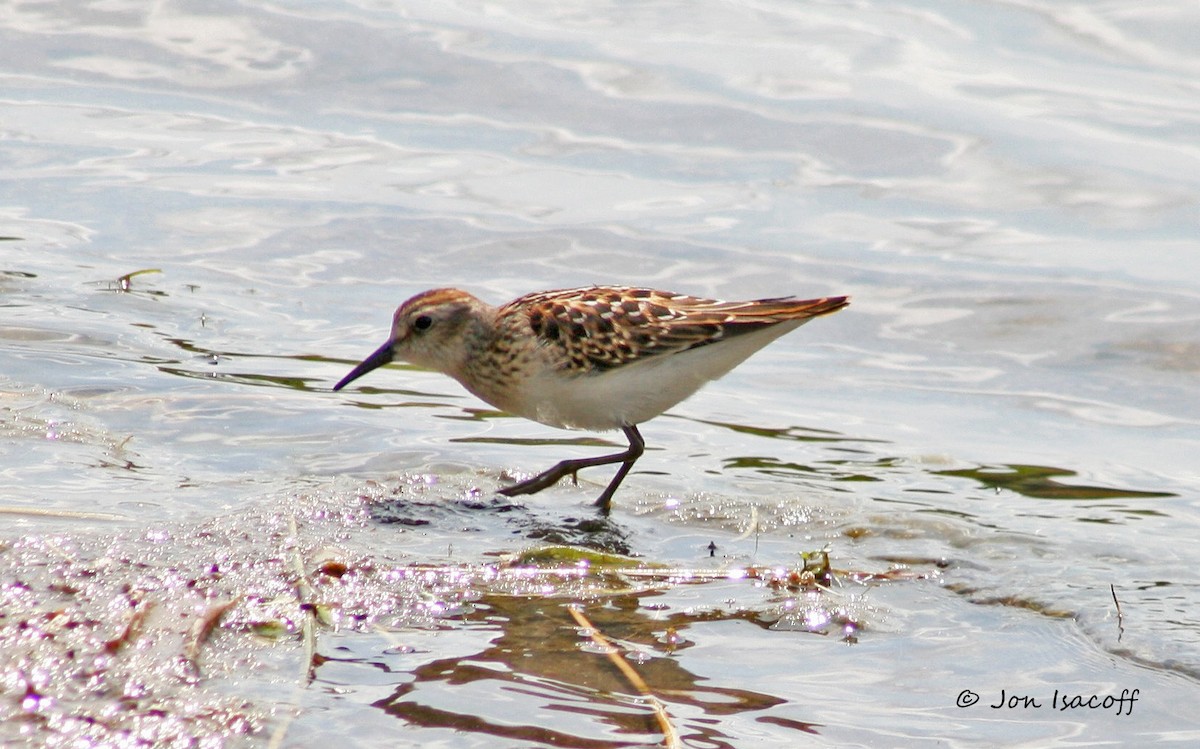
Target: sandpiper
595,357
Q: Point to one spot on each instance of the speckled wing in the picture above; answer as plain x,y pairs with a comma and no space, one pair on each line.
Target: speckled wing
600,328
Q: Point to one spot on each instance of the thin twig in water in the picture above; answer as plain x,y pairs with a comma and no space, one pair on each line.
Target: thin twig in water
670,735
1120,617
126,281
305,595
67,514
279,735
751,527
308,636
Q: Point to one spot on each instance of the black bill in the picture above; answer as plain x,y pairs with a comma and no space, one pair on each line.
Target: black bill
383,355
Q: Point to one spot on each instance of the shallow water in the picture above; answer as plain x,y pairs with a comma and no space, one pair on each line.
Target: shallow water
1007,411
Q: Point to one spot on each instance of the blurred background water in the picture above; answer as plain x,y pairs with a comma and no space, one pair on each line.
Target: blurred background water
1009,190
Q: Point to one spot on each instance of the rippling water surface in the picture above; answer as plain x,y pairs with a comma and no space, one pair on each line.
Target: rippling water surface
1002,427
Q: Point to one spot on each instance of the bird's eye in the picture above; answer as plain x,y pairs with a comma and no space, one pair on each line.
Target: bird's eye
424,322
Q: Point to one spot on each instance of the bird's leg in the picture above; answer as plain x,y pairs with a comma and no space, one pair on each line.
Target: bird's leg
636,447
571,466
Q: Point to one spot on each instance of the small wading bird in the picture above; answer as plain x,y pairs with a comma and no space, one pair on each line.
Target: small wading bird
595,358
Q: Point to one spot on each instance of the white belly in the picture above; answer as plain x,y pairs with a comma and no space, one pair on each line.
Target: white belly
635,392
